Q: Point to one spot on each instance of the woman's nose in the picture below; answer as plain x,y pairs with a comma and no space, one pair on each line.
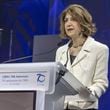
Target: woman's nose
69,23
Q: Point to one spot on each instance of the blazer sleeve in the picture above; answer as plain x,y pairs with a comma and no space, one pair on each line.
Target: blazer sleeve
100,79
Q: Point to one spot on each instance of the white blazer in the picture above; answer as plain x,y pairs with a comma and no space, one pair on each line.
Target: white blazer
90,67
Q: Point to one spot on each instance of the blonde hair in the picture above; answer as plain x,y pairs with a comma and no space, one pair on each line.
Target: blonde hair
82,16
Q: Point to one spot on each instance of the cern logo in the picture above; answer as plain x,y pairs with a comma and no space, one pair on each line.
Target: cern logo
40,78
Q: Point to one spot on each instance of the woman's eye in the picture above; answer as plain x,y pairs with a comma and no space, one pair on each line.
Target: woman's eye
72,19
65,20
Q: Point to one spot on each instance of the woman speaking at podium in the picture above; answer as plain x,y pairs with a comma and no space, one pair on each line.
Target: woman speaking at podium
83,56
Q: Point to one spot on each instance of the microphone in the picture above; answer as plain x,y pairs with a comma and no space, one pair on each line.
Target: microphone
69,46
62,42
60,73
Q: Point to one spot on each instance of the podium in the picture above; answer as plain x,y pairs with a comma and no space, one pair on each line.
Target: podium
51,81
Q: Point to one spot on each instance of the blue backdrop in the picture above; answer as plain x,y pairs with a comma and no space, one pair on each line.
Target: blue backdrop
20,20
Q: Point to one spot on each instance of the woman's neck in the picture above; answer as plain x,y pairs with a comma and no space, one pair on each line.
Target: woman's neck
78,42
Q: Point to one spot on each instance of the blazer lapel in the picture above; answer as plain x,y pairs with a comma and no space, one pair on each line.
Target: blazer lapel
84,51
82,54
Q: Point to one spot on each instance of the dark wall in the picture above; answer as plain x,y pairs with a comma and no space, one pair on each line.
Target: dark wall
21,20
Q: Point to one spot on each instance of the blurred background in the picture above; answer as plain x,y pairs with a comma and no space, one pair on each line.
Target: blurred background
22,20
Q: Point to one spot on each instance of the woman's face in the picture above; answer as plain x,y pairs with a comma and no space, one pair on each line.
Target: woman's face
72,27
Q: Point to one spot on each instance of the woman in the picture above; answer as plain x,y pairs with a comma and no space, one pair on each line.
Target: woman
83,56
